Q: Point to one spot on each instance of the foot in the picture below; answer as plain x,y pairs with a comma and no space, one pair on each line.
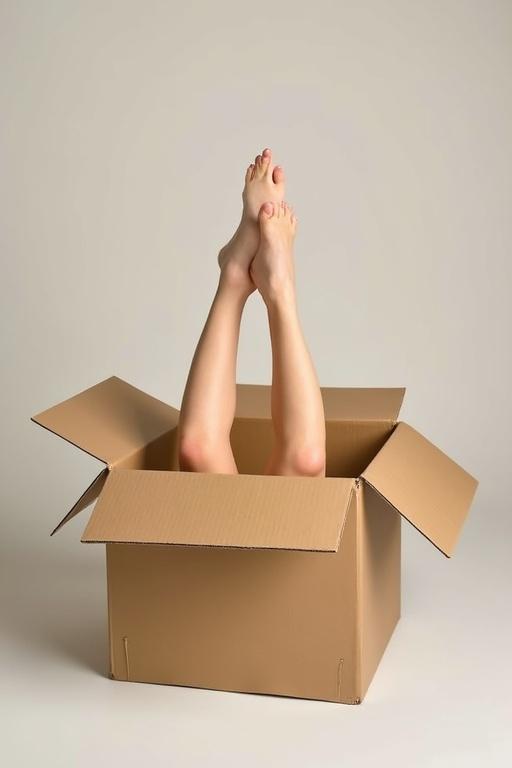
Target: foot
263,182
272,269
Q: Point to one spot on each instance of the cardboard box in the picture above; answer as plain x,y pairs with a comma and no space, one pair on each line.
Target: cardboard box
250,582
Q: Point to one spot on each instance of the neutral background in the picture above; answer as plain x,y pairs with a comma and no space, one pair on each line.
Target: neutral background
125,129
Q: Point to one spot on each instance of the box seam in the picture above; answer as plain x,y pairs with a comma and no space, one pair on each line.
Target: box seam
109,611
359,590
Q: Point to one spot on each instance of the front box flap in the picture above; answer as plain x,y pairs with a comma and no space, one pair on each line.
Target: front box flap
221,510
110,420
427,487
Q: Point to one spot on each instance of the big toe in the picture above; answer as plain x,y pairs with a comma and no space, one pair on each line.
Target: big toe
266,159
266,212
278,175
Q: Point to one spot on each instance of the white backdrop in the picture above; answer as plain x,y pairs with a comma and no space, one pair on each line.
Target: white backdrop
126,127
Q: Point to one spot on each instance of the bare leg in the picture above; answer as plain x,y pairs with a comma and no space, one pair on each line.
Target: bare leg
209,400
297,406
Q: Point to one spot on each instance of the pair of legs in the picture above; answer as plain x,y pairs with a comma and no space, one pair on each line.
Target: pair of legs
259,256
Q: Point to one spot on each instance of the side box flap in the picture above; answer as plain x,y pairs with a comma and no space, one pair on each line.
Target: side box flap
110,420
88,496
427,487
221,510
340,403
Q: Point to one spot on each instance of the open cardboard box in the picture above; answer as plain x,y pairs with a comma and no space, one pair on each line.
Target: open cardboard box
250,582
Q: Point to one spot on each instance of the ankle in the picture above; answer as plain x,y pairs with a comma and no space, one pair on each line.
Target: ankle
234,284
280,297
249,220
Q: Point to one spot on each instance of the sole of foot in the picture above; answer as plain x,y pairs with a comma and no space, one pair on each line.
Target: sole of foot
273,270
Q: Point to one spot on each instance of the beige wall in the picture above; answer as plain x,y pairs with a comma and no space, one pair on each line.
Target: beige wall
125,129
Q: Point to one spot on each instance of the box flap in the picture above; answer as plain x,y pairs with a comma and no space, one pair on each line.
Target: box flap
340,403
221,510
110,421
427,487
88,496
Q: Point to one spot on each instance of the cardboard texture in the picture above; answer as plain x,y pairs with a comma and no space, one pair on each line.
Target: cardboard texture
250,582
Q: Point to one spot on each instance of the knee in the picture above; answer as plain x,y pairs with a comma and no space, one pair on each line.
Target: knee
308,461
193,453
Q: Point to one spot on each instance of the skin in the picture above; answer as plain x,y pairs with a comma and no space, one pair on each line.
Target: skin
259,257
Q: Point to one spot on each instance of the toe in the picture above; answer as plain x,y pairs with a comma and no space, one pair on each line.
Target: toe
249,173
267,211
260,163
266,161
278,175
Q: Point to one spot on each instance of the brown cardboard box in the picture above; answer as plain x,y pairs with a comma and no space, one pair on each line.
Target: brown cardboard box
266,584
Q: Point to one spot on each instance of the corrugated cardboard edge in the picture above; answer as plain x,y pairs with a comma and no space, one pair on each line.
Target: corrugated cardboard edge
359,608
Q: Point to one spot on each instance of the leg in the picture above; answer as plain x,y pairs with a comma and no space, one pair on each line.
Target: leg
297,406
209,399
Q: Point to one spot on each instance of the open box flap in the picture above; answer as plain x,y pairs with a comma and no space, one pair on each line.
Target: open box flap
340,403
221,510
88,496
110,420
427,487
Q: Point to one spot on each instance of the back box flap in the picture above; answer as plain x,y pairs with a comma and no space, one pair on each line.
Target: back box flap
340,403
110,420
427,487
221,510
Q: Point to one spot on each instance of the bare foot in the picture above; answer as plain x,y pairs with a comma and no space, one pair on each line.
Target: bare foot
263,182
272,269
